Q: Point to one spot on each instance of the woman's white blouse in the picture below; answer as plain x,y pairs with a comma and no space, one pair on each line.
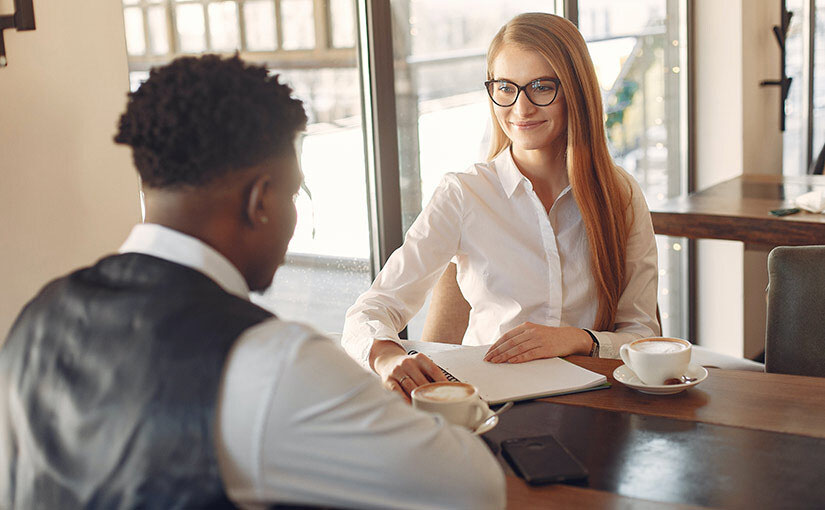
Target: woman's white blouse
516,263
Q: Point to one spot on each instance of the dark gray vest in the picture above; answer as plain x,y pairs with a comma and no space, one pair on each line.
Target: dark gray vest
109,382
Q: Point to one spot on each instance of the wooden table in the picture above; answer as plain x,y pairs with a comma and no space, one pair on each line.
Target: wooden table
738,210
742,440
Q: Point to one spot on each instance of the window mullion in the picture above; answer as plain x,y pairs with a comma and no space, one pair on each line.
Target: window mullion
321,10
241,25
375,52
171,28
570,8
279,28
144,11
207,31
808,33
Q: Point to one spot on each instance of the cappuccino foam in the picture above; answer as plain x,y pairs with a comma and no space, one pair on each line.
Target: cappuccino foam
445,393
659,346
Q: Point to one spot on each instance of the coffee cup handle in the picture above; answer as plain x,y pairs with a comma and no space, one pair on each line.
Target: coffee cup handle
480,408
623,354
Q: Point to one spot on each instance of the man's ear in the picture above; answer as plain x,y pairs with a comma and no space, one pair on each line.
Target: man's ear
257,210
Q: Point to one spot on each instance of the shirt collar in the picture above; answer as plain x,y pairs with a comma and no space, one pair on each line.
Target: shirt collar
174,246
508,173
510,176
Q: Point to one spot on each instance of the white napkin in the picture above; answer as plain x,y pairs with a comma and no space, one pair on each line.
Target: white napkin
813,201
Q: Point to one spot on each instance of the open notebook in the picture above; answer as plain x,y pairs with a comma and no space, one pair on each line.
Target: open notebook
504,382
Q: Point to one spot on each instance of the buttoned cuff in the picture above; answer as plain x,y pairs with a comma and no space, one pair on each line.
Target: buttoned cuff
607,349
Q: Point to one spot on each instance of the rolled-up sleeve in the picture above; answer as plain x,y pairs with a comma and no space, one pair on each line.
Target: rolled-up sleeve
401,287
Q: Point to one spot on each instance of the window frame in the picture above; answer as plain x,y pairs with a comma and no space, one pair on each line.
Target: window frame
323,54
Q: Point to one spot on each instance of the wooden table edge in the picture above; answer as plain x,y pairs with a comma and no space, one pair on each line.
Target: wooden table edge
617,400
520,495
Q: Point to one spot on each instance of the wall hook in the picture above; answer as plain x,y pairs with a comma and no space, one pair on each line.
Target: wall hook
22,19
781,33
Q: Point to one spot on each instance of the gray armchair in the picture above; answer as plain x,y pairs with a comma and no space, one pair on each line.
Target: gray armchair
795,333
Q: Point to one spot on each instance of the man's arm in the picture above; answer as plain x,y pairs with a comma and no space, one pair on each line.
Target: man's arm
301,422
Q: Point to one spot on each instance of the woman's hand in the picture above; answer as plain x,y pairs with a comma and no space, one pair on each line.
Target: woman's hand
403,373
530,341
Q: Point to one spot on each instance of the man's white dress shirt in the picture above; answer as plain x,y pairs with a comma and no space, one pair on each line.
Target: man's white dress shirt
516,263
299,422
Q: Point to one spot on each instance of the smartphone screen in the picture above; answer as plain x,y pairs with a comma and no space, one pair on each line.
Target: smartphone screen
541,460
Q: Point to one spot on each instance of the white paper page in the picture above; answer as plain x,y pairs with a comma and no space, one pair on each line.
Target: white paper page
516,381
429,348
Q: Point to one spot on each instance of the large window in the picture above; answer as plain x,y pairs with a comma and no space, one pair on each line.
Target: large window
442,118
794,158
804,135
311,44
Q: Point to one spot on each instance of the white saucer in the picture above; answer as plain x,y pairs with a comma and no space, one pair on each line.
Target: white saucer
624,375
487,424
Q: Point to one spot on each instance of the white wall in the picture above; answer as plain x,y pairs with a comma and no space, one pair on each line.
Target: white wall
762,149
762,139
718,99
68,193
737,131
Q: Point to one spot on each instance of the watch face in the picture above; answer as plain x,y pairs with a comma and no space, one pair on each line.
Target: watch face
594,350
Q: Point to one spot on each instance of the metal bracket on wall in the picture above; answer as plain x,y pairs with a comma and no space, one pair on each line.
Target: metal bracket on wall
22,19
781,32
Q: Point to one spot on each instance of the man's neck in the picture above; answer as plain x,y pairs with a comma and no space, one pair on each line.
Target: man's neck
202,215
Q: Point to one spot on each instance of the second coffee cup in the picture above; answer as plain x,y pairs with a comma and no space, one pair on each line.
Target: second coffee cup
655,360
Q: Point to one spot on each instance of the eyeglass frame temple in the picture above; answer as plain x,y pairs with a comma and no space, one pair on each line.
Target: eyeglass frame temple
523,88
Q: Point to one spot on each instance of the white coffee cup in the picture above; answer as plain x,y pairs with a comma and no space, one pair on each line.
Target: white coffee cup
657,359
458,402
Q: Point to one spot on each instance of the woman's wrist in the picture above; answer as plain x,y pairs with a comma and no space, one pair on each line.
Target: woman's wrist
381,348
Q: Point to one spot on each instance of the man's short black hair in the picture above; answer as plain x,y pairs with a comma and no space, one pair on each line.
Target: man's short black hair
198,119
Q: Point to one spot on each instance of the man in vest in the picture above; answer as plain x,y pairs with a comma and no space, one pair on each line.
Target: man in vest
149,380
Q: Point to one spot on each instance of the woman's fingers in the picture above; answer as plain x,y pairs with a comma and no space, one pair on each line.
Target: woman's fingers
393,386
530,341
529,355
411,372
411,367
526,342
430,369
509,351
506,337
510,339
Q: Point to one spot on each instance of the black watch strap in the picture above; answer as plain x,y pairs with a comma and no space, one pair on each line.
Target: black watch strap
594,351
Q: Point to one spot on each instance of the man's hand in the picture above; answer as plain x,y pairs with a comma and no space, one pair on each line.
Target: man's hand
530,341
403,373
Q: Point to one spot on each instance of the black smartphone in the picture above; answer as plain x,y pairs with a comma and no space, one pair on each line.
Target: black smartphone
785,212
542,460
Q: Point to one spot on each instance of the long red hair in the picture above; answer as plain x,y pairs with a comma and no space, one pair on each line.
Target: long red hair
601,189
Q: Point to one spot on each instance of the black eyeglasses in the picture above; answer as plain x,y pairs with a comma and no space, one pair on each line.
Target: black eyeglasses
540,92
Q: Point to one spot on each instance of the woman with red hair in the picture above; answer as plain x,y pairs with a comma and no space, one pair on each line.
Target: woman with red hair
553,242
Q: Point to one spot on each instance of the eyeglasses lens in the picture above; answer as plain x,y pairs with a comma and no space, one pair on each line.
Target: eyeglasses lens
540,92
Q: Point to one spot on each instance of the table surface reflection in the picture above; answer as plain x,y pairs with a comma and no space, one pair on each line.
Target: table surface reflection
737,440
